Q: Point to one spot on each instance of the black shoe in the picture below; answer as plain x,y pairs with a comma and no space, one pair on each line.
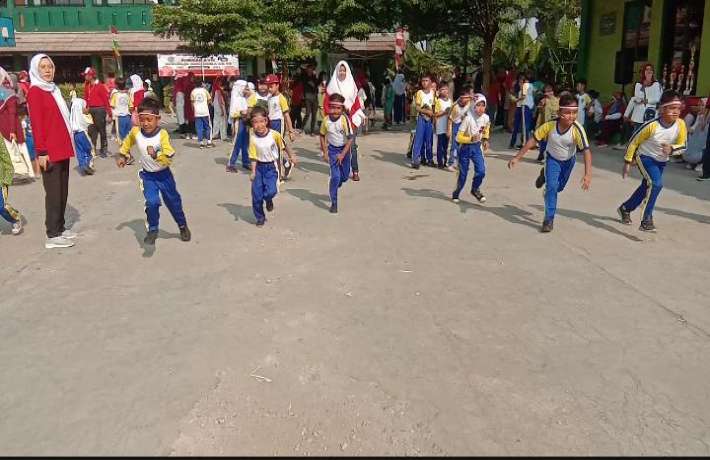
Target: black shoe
150,237
269,205
479,196
703,178
260,222
440,166
415,166
89,171
185,234
511,147
647,226
231,169
540,181
333,208
547,226
624,214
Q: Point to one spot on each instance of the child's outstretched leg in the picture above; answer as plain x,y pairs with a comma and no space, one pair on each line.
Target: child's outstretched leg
464,160
646,194
479,167
9,213
263,189
418,148
557,174
151,192
173,201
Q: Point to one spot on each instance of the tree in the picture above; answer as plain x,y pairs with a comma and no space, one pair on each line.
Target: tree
460,19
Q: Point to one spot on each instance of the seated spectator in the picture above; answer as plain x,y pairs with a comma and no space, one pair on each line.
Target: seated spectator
611,120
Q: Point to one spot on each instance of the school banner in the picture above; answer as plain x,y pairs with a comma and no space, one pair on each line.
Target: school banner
177,65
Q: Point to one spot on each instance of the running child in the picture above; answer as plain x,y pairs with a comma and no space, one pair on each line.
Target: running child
458,113
565,137
7,212
201,99
265,150
473,138
650,148
151,144
442,109
82,142
279,119
335,142
122,106
424,101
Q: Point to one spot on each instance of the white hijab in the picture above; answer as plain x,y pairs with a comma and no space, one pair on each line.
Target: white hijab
50,87
136,84
237,101
348,89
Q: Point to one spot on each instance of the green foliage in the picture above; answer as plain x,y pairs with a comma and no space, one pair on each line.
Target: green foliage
418,62
65,88
516,48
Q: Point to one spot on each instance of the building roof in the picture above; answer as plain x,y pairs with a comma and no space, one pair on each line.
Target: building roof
376,43
92,42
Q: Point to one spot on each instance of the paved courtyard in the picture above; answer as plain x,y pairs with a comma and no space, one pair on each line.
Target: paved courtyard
406,324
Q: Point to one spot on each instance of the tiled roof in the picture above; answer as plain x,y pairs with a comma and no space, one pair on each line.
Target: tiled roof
92,42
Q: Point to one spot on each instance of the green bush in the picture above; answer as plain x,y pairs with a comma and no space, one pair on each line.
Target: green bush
65,88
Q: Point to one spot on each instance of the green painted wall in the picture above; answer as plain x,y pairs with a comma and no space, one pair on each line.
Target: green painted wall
703,87
599,55
79,18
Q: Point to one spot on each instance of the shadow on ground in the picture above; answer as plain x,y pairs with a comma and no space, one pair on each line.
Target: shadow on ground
139,231
240,212
510,213
319,201
592,220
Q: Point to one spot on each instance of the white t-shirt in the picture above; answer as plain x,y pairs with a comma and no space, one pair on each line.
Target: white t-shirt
442,123
266,148
77,118
200,99
121,103
336,132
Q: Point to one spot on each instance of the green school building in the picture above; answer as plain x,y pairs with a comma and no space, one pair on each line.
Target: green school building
618,36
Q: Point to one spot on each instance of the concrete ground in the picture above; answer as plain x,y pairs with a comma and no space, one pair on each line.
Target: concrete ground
406,324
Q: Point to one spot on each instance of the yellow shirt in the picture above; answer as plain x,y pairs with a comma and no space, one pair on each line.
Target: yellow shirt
140,143
649,139
562,145
266,148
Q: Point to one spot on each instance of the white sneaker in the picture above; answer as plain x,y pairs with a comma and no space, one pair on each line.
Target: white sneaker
17,227
68,234
58,242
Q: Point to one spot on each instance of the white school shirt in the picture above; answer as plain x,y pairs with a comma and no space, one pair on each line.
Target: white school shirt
475,124
277,106
77,118
650,137
200,99
138,143
265,148
121,103
336,132
442,123
562,146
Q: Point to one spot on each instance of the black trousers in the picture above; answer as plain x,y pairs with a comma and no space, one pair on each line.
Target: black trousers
98,128
56,189
311,112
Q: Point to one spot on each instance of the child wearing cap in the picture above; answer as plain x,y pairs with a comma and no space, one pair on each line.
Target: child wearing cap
472,138
565,137
151,144
279,119
335,142
650,149
266,148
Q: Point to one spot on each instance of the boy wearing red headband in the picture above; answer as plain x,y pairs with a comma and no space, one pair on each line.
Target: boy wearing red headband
650,149
335,142
155,153
565,137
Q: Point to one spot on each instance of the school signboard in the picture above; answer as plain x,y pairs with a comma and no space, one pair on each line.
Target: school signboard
7,32
177,65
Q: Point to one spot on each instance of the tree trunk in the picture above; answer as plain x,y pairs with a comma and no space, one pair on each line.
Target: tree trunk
487,63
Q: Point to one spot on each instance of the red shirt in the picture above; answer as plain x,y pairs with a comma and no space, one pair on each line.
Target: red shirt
138,97
96,95
9,121
48,127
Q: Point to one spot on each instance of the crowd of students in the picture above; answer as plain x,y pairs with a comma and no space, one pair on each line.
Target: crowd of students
261,120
